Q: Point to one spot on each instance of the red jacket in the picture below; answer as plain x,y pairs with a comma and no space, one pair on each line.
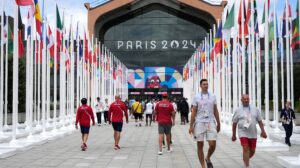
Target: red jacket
116,112
84,115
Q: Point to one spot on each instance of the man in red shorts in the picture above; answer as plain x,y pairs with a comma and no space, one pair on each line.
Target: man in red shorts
246,118
165,116
116,112
84,116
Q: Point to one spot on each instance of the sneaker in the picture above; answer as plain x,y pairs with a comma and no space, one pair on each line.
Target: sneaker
99,124
209,164
140,125
159,153
170,150
118,146
105,123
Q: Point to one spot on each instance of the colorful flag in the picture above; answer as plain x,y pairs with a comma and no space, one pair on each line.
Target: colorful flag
10,40
50,42
20,41
4,28
38,18
284,19
30,17
296,34
264,12
229,23
24,2
245,19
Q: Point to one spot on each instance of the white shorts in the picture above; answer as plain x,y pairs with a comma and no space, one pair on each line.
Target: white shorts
205,130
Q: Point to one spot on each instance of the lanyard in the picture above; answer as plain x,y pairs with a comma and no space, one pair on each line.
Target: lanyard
202,95
249,113
287,114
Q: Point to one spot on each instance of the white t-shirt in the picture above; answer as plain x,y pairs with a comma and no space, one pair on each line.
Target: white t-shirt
149,108
205,107
106,106
99,106
175,106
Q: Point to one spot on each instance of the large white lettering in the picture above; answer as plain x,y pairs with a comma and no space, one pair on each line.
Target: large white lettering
157,45
120,44
129,45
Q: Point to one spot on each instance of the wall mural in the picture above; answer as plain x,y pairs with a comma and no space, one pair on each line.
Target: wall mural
155,77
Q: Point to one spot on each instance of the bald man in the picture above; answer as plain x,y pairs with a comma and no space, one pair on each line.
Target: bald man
245,118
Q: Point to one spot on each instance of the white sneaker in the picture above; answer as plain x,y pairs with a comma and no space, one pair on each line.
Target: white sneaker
160,153
170,150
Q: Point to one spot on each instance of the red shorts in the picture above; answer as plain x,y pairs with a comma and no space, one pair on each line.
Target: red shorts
251,143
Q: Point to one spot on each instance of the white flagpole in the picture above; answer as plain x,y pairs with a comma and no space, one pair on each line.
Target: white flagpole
6,79
287,35
252,34
27,83
55,74
44,78
266,64
1,70
31,61
275,71
282,67
234,68
243,50
15,76
39,83
292,67
72,77
77,70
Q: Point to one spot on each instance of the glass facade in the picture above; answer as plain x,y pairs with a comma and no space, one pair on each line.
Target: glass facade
154,38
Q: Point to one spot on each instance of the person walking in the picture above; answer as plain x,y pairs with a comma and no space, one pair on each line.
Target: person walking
246,118
149,112
106,108
116,112
138,112
287,117
99,111
205,122
184,111
84,115
164,114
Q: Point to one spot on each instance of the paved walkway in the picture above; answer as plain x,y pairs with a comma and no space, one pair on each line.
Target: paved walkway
139,149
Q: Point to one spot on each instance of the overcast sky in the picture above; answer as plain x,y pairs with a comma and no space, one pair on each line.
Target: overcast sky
76,9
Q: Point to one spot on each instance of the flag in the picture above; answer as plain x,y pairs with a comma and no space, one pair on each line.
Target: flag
24,2
246,20
271,28
296,34
20,41
10,40
229,23
86,48
255,17
264,12
30,17
50,42
4,28
284,19
80,50
38,18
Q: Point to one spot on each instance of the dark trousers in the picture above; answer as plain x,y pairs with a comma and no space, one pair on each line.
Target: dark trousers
105,116
288,132
99,117
184,117
150,117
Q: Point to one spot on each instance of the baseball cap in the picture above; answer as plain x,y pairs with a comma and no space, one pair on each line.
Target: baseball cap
165,94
